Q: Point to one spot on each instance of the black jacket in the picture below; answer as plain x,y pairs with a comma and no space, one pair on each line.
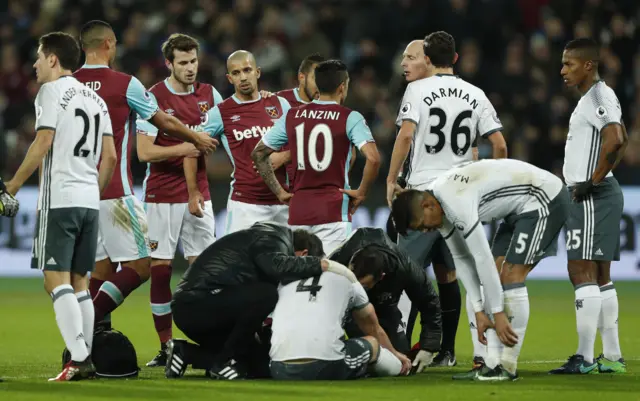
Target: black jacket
401,274
261,253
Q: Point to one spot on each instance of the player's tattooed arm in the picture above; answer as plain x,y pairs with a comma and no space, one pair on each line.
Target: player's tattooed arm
260,156
614,144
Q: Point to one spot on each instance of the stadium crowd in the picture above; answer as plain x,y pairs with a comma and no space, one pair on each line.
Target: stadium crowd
511,49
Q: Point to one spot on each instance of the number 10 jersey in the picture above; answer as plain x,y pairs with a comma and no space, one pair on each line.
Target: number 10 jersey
449,114
320,136
79,117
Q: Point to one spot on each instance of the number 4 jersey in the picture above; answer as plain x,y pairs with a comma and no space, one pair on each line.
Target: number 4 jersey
309,315
449,113
79,118
320,136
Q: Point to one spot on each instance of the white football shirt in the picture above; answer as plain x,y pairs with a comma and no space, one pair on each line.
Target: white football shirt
449,113
598,108
483,191
79,118
309,315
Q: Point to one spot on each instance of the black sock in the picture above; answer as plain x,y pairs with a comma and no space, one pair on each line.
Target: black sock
450,302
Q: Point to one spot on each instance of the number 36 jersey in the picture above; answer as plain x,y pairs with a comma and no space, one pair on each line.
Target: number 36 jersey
79,117
309,315
449,114
320,136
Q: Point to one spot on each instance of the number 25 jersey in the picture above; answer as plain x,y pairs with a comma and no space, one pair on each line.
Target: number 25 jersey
449,114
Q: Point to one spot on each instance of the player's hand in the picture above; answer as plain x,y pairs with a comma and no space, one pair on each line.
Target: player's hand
355,198
483,323
189,150
285,197
205,143
406,363
582,190
392,190
504,330
8,204
421,361
265,93
196,204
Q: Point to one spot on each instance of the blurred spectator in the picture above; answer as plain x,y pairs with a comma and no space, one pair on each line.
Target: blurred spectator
512,49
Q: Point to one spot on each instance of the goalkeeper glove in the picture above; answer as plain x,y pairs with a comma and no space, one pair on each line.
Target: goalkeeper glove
421,361
8,204
582,190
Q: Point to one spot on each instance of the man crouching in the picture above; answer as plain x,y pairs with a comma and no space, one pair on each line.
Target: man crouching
308,339
228,291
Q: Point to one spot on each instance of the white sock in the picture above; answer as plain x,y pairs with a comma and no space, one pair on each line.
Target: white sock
494,349
608,322
88,316
479,349
516,304
387,363
69,319
588,305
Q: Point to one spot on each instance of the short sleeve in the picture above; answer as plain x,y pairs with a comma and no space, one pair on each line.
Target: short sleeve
140,100
214,125
488,121
357,130
605,107
47,109
276,138
284,104
217,97
144,127
409,109
108,129
359,298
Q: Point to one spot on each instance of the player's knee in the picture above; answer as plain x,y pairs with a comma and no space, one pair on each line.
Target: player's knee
104,269
375,347
513,273
79,282
443,274
141,266
582,271
604,273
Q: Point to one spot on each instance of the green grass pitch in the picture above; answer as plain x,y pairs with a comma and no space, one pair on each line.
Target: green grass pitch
30,349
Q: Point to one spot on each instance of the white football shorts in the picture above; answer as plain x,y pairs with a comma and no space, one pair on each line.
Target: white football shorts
332,235
242,215
123,232
170,222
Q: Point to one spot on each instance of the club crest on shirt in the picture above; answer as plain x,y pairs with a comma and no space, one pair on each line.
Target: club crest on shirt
170,111
601,112
272,111
153,245
203,106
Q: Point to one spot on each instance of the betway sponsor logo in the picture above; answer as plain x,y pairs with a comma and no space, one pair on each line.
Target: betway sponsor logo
253,132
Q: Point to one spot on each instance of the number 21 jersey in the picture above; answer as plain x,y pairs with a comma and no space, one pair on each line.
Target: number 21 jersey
79,118
449,114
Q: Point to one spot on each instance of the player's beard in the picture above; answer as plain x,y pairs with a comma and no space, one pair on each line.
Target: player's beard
246,90
184,80
307,92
